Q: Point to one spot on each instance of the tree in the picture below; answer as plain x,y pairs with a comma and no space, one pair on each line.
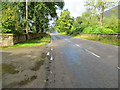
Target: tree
97,8
39,14
88,20
77,27
64,22
10,17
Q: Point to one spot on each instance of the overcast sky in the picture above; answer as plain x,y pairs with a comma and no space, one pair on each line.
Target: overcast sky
76,7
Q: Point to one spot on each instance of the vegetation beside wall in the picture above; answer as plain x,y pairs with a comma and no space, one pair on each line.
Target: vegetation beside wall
92,21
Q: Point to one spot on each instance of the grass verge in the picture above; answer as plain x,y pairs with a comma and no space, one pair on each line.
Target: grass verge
113,41
32,42
107,40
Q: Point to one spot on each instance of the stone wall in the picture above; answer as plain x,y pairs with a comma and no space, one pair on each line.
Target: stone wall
6,39
11,39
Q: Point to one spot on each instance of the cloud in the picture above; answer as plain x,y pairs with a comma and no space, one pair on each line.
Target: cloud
76,7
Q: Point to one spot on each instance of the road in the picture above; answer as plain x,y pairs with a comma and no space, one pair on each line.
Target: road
80,63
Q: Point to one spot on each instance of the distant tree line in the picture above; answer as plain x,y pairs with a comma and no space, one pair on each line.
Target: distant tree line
91,21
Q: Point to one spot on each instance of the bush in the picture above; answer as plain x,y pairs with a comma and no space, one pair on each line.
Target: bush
97,29
107,30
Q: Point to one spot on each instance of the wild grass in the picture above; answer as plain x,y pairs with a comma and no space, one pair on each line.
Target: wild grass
32,42
104,39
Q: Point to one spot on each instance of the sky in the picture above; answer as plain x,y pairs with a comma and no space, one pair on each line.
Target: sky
76,7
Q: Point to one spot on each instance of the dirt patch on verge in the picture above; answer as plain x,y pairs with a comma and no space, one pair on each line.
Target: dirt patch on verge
37,65
23,67
9,68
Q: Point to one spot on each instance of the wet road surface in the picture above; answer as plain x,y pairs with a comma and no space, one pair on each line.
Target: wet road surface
79,63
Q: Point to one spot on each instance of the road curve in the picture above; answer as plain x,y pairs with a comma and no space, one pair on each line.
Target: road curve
79,63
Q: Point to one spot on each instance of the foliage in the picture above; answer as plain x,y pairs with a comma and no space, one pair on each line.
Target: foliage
39,14
112,23
64,22
97,8
97,29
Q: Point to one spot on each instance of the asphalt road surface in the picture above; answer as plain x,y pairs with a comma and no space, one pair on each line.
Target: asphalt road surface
79,63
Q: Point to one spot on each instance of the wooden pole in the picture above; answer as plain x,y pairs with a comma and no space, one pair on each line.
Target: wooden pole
27,18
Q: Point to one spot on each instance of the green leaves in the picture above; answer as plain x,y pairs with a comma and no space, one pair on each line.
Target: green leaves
39,15
64,22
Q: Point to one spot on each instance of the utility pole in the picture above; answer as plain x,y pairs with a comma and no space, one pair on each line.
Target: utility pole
27,18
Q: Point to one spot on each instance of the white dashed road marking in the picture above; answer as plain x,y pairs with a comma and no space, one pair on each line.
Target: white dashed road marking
51,49
51,58
93,53
77,45
69,41
48,53
51,72
118,68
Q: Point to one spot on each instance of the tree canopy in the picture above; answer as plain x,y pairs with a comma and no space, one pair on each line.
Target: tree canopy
94,20
64,22
39,14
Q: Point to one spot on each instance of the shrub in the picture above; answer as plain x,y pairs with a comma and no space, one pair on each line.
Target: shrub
97,29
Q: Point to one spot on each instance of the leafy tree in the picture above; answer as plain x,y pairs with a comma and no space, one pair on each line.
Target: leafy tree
39,15
97,8
76,27
64,22
10,18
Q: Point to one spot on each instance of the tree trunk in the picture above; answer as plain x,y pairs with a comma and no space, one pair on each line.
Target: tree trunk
42,30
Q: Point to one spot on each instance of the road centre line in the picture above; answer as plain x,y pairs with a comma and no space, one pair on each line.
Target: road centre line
51,58
93,53
69,41
51,49
48,53
77,45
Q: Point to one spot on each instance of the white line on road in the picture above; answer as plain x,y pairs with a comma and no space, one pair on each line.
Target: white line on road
48,53
51,49
51,72
93,53
51,58
77,45
69,41
118,68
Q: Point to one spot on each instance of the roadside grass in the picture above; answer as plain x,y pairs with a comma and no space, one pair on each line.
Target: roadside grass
63,33
107,40
32,42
